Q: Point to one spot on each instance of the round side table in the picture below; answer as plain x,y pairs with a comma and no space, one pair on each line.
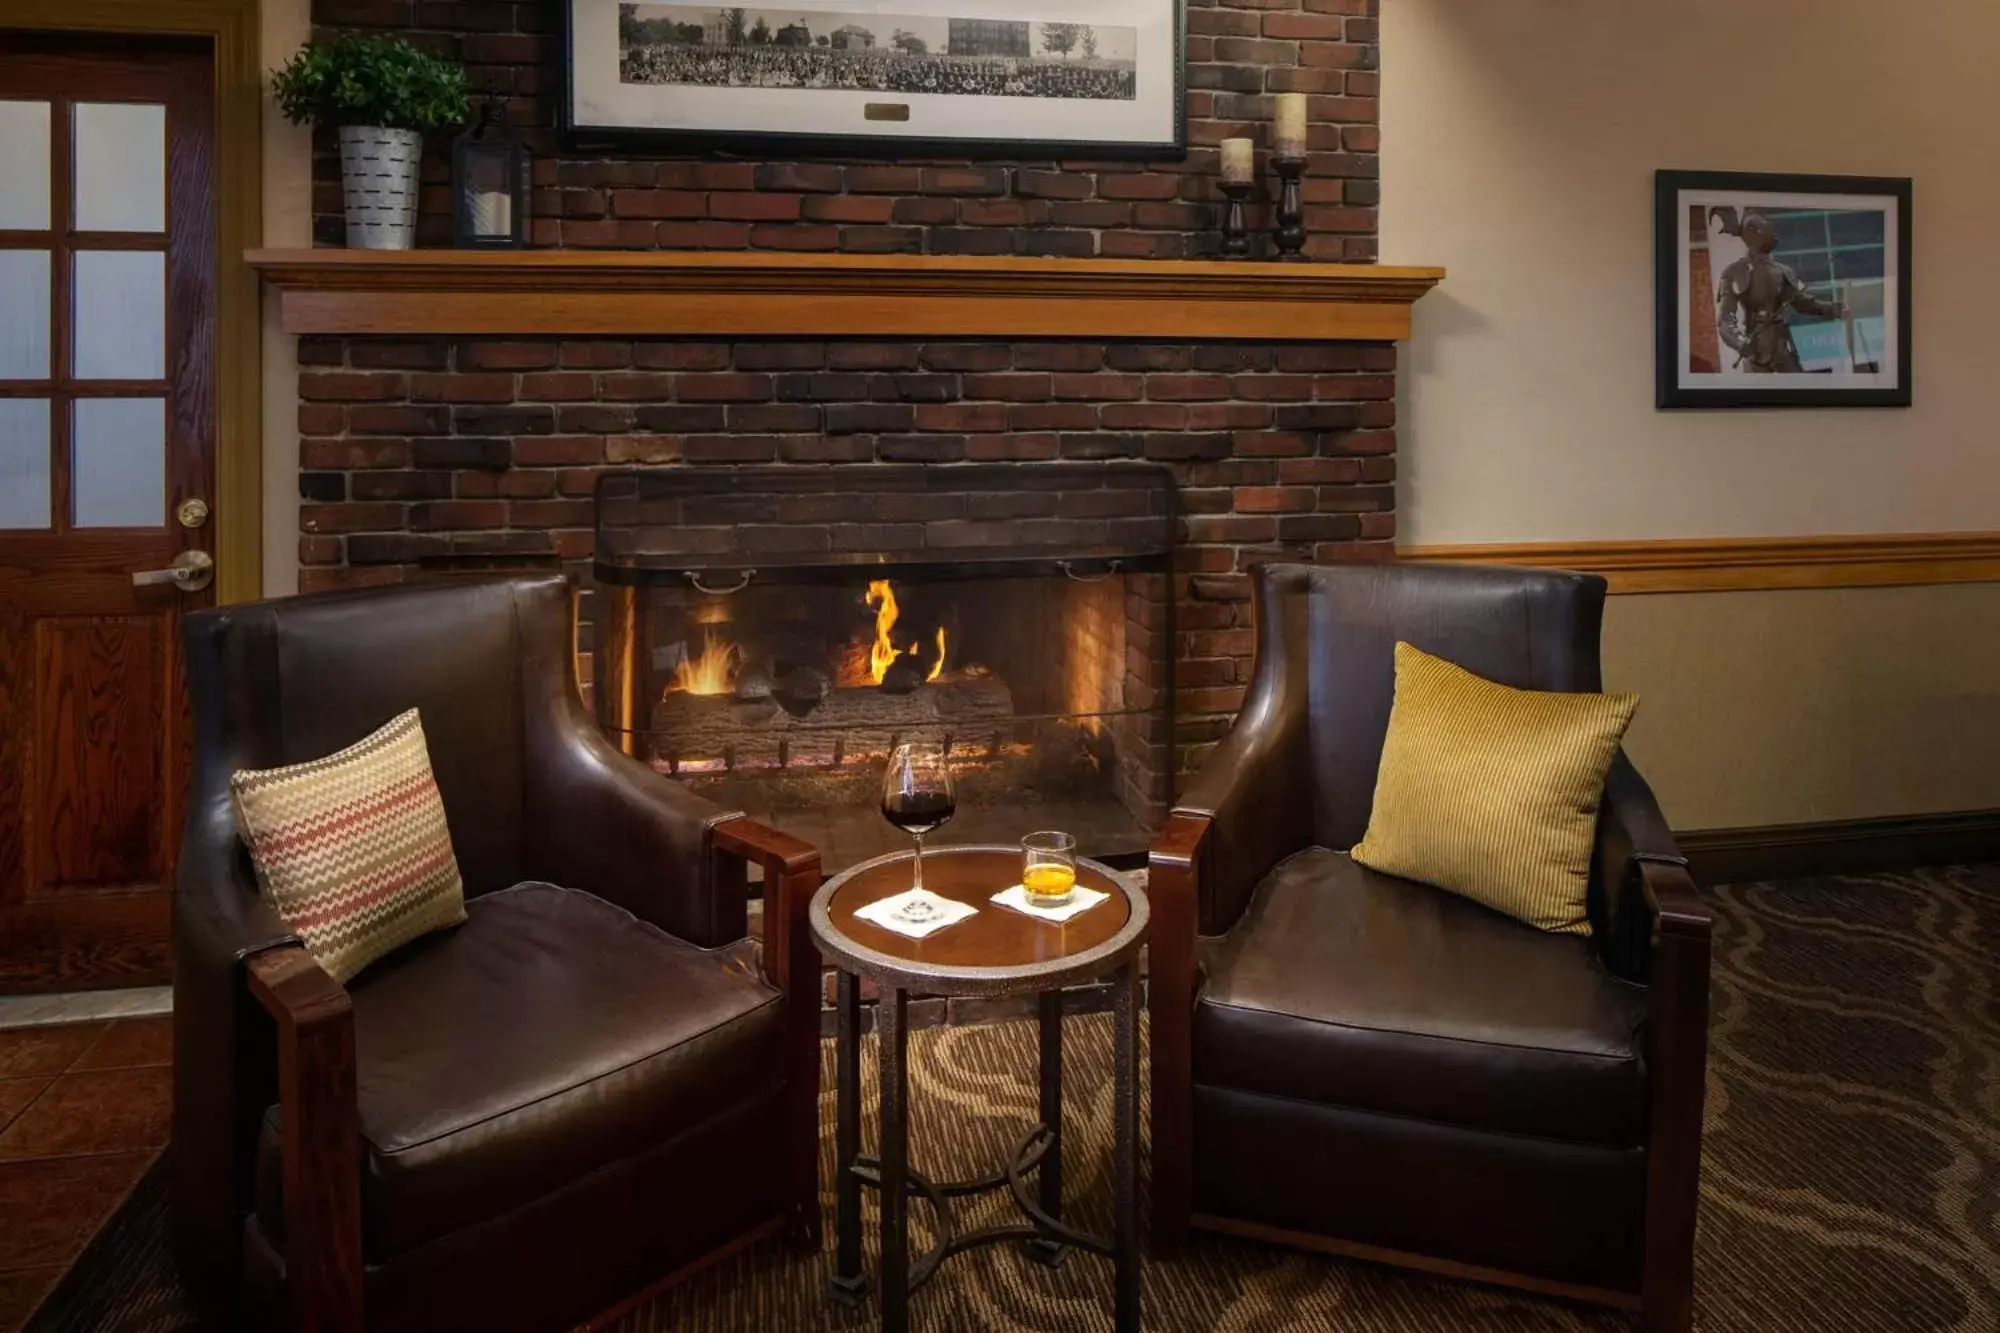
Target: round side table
998,952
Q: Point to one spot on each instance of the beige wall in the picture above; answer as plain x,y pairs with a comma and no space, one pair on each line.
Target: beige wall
1520,139
287,222
1794,707
1519,145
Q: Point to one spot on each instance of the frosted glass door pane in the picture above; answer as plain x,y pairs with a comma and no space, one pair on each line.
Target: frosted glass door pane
24,313
118,472
121,315
24,463
121,166
24,166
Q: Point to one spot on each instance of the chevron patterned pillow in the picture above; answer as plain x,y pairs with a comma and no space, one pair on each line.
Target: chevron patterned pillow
352,849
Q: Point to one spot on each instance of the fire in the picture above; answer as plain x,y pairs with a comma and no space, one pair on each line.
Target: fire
884,653
714,672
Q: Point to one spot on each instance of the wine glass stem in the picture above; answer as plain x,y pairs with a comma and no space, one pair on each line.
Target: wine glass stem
918,838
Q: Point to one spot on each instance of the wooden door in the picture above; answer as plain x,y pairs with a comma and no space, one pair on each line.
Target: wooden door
107,412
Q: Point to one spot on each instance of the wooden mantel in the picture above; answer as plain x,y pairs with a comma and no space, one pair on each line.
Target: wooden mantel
639,293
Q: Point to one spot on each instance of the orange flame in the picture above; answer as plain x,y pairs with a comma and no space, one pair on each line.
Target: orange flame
714,672
883,655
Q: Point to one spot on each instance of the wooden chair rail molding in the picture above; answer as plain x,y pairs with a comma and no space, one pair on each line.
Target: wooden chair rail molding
639,293
1750,563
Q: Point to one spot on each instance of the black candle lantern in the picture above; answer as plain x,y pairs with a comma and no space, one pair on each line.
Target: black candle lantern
489,184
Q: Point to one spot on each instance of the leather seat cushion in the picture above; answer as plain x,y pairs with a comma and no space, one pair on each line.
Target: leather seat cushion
551,1035
1346,987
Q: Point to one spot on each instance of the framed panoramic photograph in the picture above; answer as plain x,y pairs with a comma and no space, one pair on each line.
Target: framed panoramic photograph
1782,291
1078,78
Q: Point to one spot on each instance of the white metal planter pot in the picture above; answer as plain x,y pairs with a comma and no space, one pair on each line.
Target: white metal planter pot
378,172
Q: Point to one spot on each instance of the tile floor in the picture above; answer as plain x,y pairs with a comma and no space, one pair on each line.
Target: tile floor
83,1111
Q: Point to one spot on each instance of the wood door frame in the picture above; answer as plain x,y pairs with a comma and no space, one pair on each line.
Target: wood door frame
231,27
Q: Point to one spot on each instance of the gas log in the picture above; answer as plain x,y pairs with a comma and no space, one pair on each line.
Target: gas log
850,725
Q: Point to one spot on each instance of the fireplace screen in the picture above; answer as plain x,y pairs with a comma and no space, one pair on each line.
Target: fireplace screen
768,635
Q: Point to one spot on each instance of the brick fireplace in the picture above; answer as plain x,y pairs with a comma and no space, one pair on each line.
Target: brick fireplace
438,454
431,441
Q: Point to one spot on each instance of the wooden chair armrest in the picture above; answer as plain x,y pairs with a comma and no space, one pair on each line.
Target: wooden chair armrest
322,1144
791,963
765,846
1180,841
1677,1065
791,877
1173,890
1675,902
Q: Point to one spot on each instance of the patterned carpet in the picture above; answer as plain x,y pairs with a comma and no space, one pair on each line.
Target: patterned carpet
1851,1177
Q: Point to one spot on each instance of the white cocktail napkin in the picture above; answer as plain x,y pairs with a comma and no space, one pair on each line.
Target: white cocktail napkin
915,912
1081,900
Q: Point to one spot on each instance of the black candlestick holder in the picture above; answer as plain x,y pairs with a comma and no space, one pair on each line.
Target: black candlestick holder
1290,232
1235,232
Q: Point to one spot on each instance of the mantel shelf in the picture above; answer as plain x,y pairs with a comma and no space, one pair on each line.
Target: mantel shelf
667,293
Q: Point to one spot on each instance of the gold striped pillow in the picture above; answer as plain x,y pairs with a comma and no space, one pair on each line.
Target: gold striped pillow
1492,792
352,849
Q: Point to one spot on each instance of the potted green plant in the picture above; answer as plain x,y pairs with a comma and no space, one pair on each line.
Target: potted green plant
380,94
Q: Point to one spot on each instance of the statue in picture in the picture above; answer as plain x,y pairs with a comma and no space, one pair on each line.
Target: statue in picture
1753,296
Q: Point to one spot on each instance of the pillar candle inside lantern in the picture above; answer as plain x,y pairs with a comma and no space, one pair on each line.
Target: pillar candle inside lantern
492,213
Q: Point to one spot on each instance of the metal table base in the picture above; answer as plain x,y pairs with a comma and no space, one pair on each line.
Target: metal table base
1039,1151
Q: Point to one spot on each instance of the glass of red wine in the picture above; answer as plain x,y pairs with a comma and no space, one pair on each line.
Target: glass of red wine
918,794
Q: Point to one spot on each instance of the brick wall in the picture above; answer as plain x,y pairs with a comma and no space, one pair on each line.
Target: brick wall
1239,52
438,454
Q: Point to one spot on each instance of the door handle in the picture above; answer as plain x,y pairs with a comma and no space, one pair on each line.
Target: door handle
191,572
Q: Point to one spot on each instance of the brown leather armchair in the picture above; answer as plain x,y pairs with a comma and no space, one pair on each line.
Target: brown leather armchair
586,1087
1356,1063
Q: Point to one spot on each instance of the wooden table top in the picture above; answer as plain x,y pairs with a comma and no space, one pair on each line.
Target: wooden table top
999,951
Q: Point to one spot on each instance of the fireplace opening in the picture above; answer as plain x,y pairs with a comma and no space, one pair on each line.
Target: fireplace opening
771,634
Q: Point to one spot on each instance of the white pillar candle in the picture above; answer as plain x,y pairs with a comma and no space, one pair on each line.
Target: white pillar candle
1291,126
1238,161
492,213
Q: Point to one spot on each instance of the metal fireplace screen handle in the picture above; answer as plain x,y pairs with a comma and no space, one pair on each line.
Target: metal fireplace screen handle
1068,567
694,577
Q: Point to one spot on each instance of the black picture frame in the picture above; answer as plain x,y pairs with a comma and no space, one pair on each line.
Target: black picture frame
809,145
1673,302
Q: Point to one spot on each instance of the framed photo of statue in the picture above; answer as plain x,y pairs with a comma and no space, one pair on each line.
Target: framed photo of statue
1782,290
1051,78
